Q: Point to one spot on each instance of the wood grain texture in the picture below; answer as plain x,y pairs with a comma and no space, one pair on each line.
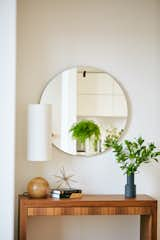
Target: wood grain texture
22,220
80,211
91,201
142,205
148,226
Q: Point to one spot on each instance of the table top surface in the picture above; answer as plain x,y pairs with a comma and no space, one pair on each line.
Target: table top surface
96,197
91,200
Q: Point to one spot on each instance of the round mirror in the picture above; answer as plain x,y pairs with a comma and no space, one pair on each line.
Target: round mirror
88,106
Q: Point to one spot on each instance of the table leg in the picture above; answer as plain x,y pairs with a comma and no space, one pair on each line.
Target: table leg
148,226
22,231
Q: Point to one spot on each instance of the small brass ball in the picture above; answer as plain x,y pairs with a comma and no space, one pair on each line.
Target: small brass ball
38,187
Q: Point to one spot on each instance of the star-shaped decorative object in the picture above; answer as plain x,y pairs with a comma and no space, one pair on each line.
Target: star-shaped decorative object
64,180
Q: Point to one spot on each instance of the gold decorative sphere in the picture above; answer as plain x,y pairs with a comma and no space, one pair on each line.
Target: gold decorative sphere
38,187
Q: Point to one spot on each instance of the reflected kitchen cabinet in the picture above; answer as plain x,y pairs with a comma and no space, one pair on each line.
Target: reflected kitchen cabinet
100,95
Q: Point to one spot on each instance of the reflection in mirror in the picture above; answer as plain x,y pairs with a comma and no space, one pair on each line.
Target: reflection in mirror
88,105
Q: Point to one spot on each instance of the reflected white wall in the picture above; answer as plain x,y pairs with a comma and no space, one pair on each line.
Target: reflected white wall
68,108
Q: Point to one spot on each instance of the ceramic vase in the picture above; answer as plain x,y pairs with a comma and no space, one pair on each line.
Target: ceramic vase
130,187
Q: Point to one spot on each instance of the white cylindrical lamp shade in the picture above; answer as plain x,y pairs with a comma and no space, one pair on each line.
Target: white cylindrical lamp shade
39,132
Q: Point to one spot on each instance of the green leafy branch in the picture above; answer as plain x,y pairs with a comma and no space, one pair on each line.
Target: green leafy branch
132,154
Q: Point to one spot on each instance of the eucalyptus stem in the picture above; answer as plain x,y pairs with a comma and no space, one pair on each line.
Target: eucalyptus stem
132,154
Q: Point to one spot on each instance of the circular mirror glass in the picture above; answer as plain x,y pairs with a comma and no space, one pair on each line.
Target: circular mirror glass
88,106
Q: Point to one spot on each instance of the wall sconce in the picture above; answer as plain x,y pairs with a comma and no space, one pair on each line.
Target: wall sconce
39,132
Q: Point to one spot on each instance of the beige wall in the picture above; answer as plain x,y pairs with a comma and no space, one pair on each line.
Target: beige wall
119,36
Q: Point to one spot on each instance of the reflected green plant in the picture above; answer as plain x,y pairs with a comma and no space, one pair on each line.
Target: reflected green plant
85,129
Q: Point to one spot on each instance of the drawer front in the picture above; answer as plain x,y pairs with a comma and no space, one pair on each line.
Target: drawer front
80,211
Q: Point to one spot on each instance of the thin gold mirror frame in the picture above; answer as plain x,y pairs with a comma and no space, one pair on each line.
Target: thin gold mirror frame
81,95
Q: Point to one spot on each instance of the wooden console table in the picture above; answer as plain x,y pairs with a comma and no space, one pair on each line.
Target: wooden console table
142,205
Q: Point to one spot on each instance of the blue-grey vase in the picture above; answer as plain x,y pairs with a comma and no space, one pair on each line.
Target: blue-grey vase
130,187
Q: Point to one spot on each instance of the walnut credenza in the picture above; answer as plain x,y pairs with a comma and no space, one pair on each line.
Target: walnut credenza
142,205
